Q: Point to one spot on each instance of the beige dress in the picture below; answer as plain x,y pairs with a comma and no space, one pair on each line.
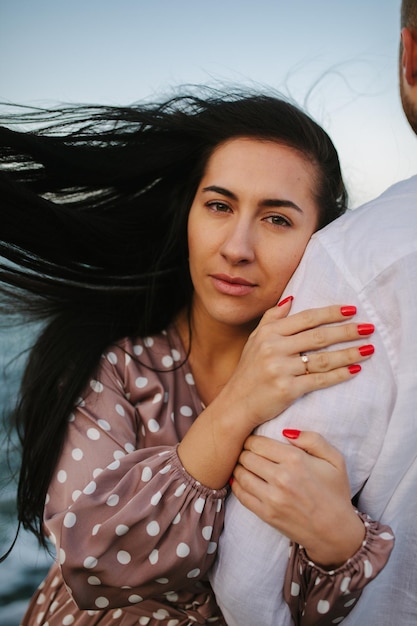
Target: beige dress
135,534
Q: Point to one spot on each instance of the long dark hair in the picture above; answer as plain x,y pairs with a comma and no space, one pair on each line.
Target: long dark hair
94,213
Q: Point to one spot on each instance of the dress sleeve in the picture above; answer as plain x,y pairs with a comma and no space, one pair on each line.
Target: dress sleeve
128,521
319,597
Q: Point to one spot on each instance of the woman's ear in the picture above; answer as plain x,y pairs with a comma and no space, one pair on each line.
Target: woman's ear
409,56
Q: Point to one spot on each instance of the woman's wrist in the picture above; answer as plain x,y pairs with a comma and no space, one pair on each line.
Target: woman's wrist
337,548
210,449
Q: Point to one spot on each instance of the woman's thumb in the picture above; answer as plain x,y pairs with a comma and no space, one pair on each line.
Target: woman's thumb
313,443
284,306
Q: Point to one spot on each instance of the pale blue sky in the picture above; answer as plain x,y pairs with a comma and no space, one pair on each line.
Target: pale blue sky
337,58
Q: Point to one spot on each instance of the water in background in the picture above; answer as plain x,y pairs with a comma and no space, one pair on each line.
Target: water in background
25,567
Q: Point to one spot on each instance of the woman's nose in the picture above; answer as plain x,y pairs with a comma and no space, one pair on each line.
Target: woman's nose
238,245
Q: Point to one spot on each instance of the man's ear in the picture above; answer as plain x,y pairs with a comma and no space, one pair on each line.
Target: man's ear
409,56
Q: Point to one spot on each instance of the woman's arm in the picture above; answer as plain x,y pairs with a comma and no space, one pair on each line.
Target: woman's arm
128,522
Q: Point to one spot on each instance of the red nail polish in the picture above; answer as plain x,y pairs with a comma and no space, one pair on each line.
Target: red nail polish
231,479
366,350
365,329
354,369
289,299
348,311
291,433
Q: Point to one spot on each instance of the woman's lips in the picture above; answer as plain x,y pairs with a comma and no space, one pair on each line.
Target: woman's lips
232,285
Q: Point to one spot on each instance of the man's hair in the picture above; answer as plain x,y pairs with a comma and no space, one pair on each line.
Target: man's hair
409,14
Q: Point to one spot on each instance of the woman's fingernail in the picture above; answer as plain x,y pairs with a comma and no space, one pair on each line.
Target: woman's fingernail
291,433
366,350
365,329
285,300
348,311
231,479
354,369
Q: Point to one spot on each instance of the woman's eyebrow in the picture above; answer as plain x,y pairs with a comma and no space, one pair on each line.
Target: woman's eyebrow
222,191
270,202
281,203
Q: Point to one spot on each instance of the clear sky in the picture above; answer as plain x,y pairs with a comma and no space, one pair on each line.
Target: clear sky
336,58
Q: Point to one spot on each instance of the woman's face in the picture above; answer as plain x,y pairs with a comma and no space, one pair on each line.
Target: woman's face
252,216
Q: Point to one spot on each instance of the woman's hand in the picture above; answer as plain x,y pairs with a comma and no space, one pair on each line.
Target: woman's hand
271,373
302,490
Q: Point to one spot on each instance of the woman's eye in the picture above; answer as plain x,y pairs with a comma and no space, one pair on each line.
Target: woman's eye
278,220
218,206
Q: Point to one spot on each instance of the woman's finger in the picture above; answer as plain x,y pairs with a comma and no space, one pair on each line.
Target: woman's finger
323,336
309,318
266,447
315,362
300,385
253,466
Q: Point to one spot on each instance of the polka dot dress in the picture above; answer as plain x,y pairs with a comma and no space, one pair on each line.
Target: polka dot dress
135,534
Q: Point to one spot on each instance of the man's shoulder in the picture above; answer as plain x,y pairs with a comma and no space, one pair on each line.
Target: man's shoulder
380,231
401,196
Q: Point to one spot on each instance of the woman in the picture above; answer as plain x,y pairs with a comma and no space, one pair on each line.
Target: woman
167,232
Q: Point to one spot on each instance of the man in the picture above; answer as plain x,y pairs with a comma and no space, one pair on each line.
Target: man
367,258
